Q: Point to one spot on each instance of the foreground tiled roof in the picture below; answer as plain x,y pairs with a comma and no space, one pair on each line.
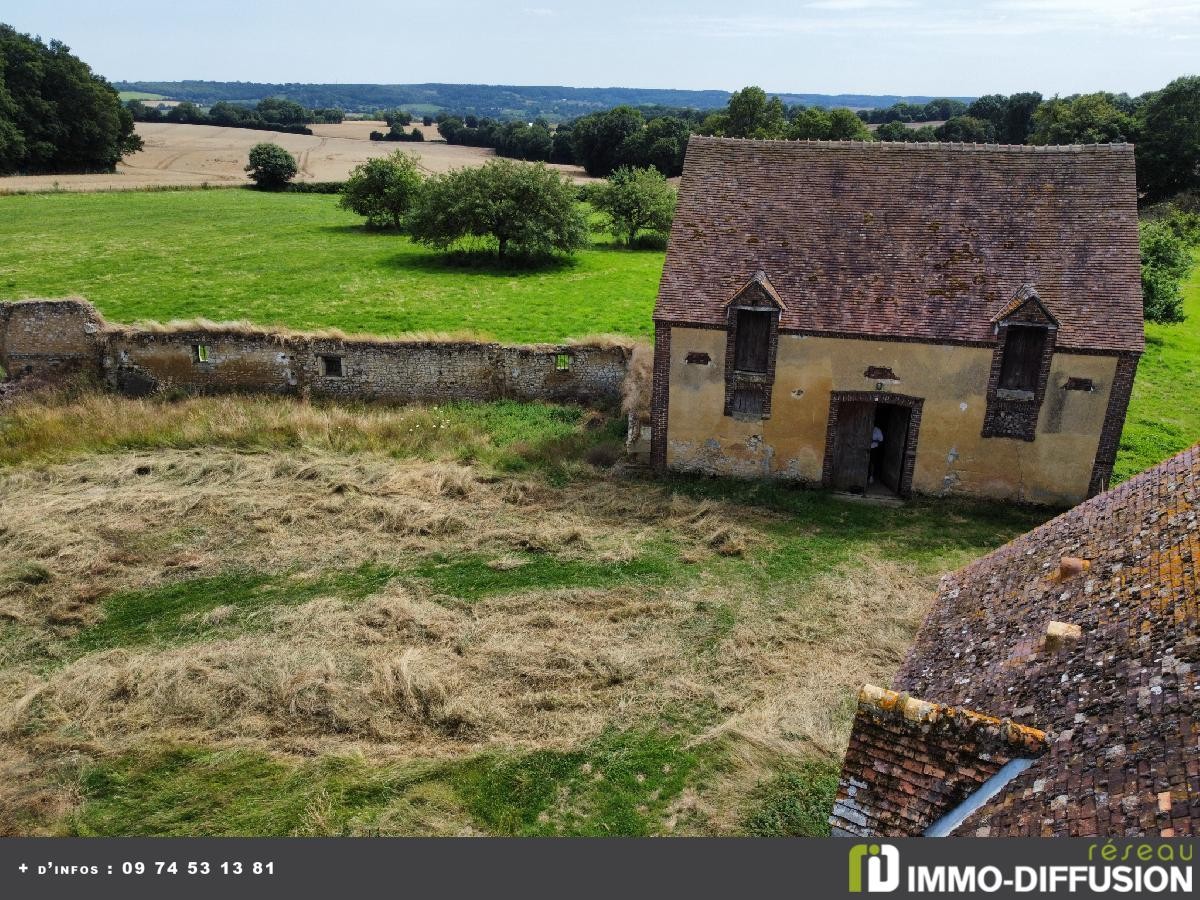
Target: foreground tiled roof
1116,684
912,761
918,241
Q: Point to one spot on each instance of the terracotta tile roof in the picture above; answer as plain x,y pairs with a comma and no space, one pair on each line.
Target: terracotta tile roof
910,762
918,241
1089,629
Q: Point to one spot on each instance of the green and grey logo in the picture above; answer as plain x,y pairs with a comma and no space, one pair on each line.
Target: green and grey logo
882,865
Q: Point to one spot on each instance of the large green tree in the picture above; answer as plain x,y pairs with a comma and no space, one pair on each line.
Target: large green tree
815,124
598,138
1011,117
1166,262
1085,119
750,113
1168,153
526,208
383,190
56,115
661,144
634,200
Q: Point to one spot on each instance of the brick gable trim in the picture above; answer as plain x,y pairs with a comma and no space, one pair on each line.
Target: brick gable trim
660,396
1114,423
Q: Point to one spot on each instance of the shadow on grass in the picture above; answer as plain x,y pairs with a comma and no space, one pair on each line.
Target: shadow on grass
359,228
924,530
480,262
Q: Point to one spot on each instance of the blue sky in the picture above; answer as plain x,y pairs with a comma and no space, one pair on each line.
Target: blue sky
817,46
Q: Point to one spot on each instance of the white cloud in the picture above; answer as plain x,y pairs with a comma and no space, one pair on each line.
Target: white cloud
994,18
861,4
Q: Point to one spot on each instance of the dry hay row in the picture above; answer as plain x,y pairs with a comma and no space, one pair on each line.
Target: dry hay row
404,673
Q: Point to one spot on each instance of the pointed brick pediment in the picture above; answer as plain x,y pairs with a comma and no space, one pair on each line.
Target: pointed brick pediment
758,291
1027,306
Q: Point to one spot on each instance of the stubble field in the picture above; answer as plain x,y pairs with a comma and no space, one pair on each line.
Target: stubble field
191,155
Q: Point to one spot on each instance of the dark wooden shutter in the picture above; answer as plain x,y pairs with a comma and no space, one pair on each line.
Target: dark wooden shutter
753,341
1023,349
748,402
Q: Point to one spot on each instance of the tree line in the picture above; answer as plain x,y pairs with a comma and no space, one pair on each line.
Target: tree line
272,114
1164,125
601,142
937,110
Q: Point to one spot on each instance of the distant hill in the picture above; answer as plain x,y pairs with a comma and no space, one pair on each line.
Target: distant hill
496,100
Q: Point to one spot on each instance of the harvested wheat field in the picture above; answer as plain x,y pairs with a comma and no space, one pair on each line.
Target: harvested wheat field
259,616
192,155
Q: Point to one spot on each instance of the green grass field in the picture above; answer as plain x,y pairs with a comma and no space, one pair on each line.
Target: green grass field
315,619
298,260
1164,416
400,591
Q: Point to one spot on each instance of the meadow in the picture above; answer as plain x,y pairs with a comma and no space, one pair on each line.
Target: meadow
300,261
1164,415
244,615
252,615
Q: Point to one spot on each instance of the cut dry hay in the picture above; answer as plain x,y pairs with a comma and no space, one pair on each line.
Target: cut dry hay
410,672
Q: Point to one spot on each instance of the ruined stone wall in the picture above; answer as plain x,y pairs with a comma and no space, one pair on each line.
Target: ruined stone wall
47,339
51,336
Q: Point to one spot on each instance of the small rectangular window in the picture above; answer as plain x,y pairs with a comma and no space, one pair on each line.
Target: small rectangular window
562,361
331,366
753,341
1022,365
200,353
698,359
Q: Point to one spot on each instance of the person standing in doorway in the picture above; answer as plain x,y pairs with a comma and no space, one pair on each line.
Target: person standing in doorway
873,462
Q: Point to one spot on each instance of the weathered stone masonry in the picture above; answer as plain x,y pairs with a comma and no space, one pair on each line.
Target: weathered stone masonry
50,339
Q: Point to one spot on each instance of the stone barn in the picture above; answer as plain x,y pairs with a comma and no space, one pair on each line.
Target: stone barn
889,318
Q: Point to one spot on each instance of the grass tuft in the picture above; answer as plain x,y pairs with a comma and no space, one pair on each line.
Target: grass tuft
794,804
620,784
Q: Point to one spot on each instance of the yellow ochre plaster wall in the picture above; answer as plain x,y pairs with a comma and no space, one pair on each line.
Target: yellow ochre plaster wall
952,457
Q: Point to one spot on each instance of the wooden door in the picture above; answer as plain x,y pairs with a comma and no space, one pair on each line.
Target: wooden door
852,445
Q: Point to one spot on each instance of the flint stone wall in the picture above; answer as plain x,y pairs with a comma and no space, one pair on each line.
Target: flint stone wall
50,339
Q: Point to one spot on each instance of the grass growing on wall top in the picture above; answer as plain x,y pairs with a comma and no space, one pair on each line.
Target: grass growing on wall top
298,260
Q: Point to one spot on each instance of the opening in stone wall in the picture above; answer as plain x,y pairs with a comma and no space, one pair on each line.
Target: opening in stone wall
200,353
331,366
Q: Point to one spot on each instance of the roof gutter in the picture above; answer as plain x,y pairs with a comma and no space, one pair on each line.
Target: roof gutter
946,825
